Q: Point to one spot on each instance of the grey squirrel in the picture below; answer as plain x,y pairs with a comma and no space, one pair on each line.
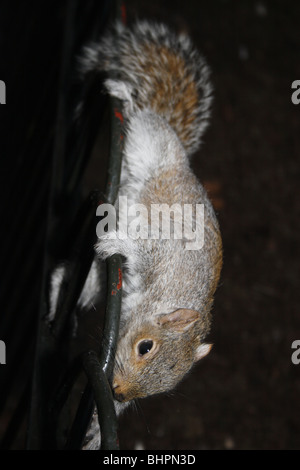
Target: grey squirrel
168,289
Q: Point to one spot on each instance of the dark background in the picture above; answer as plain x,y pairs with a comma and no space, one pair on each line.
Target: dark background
245,394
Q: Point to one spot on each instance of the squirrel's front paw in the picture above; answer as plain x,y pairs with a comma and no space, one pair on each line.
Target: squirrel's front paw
112,243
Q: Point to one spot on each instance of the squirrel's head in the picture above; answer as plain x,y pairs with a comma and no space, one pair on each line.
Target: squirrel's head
156,356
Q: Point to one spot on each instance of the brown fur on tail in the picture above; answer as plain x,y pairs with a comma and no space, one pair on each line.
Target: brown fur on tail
164,73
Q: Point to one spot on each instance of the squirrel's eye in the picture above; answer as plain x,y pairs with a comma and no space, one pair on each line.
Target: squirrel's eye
145,346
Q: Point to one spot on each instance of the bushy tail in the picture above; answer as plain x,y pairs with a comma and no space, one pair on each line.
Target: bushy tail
154,68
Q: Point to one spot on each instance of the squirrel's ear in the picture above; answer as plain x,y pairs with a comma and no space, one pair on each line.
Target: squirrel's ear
179,320
202,351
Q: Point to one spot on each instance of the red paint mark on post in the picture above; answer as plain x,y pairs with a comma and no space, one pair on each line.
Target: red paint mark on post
123,13
119,115
119,285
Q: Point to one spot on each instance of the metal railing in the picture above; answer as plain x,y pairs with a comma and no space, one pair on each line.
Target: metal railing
68,232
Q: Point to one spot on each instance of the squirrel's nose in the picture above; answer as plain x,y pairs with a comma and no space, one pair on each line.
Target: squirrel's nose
118,396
